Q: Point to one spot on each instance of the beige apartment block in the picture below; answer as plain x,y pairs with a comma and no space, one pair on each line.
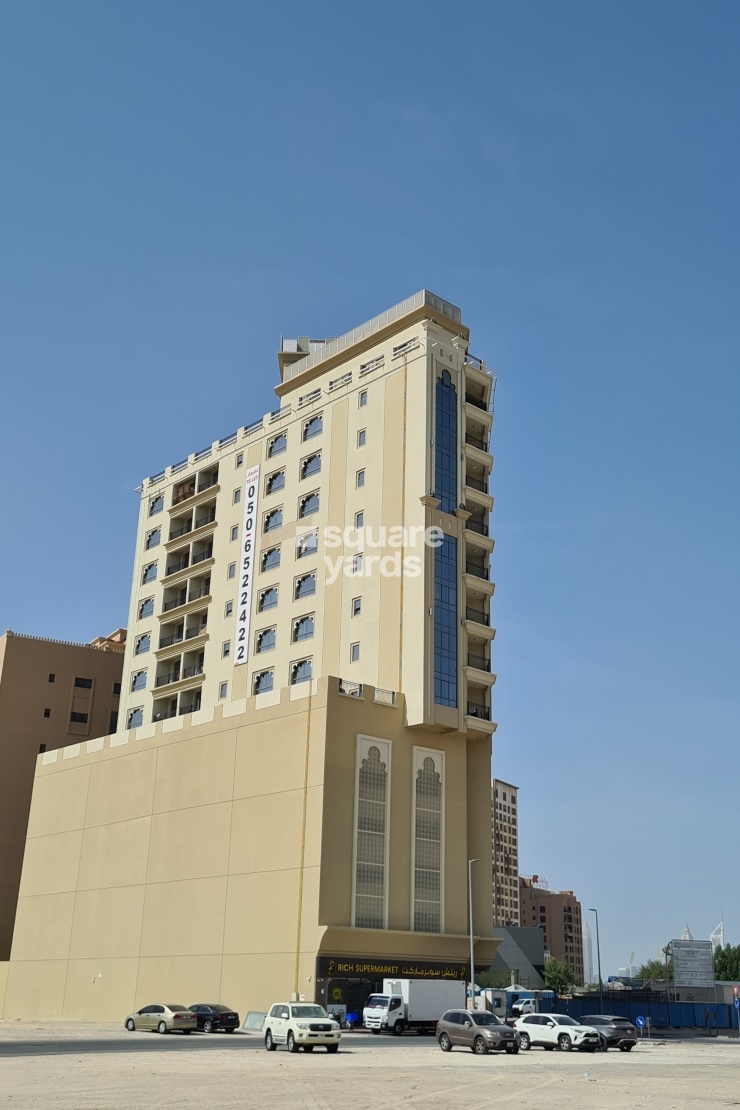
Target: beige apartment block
51,694
558,914
301,769
505,827
310,846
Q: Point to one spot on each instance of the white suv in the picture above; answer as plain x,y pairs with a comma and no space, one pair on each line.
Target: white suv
556,1031
300,1025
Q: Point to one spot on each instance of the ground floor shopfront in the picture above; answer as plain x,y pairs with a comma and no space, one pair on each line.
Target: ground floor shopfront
223,856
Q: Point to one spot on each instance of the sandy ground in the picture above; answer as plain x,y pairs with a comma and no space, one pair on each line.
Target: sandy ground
69,1066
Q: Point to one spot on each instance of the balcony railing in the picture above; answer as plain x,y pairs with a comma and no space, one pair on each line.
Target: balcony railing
477,569
190,672
181,531
203,592
175,603
163,715
474,441
203,555
475,483
192,708
167,641
477,615
478,526
479,404
207,483
174,567
475,709
479,662
197,631
166,679
201,521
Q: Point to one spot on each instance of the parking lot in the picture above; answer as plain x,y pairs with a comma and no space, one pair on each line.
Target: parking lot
73,1066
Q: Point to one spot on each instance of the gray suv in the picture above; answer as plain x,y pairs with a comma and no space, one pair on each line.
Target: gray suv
613,1031
477,1030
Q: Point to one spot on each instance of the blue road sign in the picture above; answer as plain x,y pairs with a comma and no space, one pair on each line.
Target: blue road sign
737,1003
640,1021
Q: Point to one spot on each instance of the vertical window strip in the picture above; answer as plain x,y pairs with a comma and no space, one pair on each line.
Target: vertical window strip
428,847
371,833
445,623
445,444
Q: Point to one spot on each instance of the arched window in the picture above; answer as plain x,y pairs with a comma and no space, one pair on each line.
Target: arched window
303,628
308,505
274,520
445,444
371,833
428,844
313,427
266,639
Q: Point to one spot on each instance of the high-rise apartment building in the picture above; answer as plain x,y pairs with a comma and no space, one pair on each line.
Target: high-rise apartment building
558,914
505,830
52,694
304,741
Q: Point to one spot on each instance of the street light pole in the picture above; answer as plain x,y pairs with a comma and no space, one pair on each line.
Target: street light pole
598,960
470,922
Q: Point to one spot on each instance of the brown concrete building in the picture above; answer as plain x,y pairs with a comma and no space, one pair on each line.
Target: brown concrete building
51,694
301,770
558,914
505,827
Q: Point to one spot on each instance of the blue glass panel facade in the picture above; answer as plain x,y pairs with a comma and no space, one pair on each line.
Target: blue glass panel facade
445,444
445,622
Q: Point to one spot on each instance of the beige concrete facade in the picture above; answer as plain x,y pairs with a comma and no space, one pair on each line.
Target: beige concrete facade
505,827
216,857
51,694
258,826
558,914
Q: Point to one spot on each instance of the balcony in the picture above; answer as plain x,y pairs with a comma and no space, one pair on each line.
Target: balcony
477,615
208,482
163,715
174,603
193,707
479,662
476,483
182,530
168,641
167,679
200,556
477,401
179,565
474,524
478,570
207,518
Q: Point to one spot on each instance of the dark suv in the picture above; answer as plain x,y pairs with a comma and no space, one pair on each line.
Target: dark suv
477,1030
212,1016
614,1032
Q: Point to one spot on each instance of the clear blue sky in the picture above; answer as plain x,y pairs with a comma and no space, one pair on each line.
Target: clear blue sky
183,182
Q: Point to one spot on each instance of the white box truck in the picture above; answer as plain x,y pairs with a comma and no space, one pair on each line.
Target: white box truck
412,1004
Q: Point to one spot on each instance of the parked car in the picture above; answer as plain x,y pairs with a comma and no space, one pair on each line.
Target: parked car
300,1025
478,1030
613,1031
165,1017
212,1016
556,1031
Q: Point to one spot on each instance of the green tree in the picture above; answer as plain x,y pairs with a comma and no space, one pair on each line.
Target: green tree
499,980
558,976
655,969
727,963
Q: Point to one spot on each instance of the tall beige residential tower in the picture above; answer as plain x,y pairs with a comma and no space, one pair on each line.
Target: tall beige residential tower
505,826
304,741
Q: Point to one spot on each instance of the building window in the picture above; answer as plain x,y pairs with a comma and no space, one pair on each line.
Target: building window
236,496
305,586
361,437
307,544
231,572
360,479
113,721
428,845
52,678
239,460
303,628
362,399
277,444
142,644
156,505
135,718
78,718
357,564
226,649
445,622
138,680
359,520
273,520
263,682
234,534
371,831
445,444
228,608
308,505
265,640
356,606
313,427
354,653
116,689
223,690
84,683
268,599
149,573
146,607
275,482
311,465
300,672
153,538
271,558
47,713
